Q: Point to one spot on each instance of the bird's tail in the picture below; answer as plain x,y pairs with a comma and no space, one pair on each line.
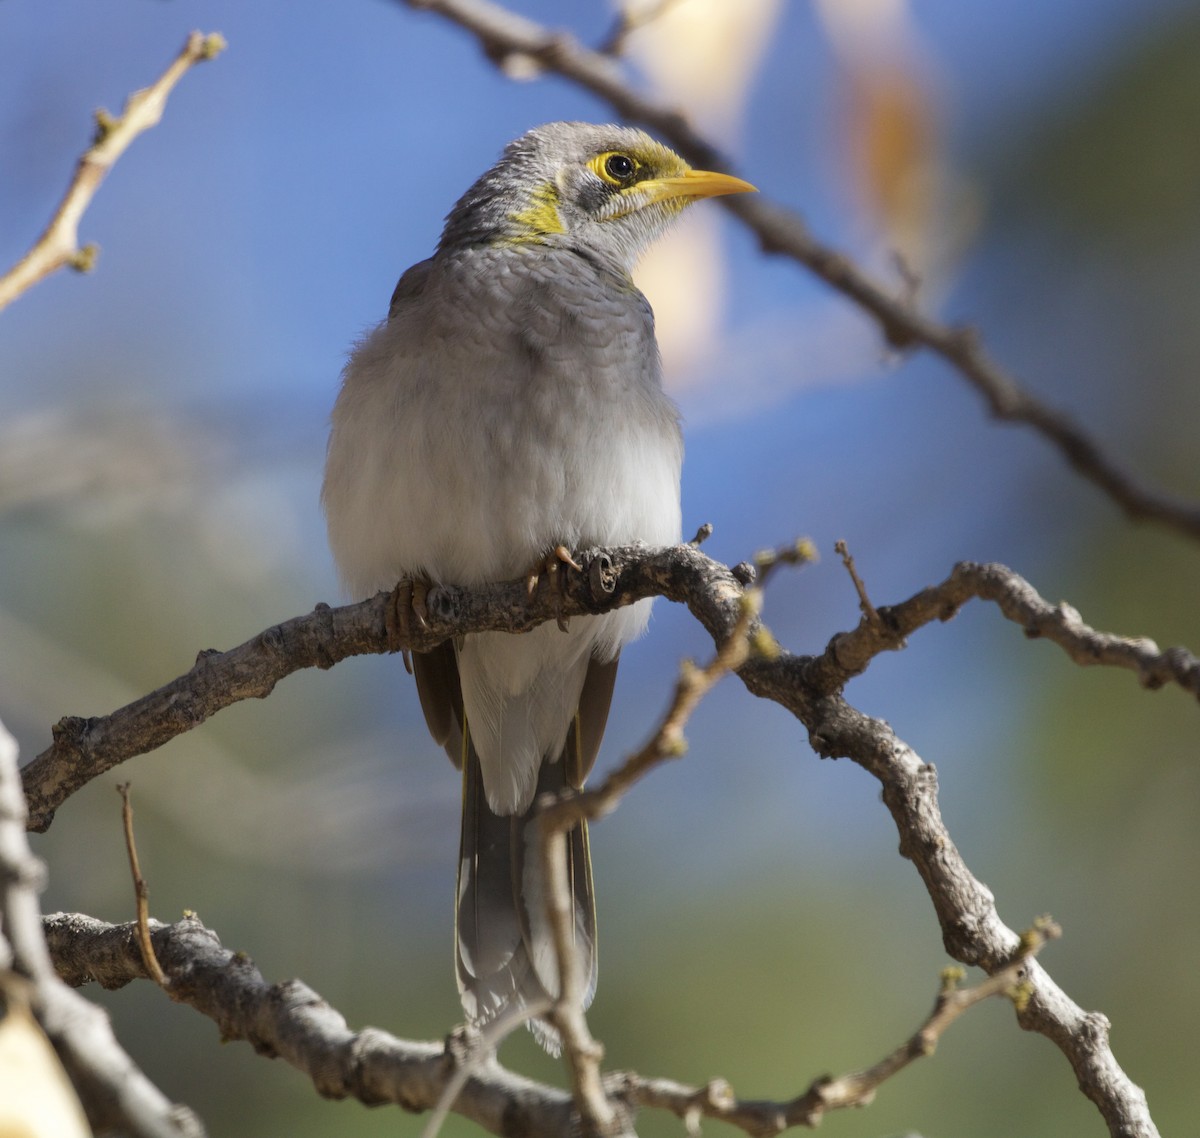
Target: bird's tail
505,955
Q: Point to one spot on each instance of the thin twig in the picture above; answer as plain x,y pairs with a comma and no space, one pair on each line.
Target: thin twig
504,34
717,1100
581,1051
115,1094
849,653
141,891
559,815
481,1050
864,601
668,740
858,1088
802,551
59,243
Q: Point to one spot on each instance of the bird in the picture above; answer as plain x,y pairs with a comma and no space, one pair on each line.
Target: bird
509,410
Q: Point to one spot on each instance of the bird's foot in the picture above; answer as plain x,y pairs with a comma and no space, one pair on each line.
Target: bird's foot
405,611
553,567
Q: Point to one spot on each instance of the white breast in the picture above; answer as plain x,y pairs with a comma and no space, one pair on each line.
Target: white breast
513,405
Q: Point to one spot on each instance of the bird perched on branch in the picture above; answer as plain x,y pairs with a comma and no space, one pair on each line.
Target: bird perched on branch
510,409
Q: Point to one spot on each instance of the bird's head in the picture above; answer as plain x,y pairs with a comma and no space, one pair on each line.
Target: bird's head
607,191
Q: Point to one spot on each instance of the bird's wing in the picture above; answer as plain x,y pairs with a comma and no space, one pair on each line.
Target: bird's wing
410,285
440,692
583,743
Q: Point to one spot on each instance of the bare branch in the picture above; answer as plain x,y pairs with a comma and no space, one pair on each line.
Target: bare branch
747,637
292,1022
583,1054
504,35
558,815
858,1088
972,930
84,749
849,653
114,1093
59,243
141,891
717,1099
490,1038
810,687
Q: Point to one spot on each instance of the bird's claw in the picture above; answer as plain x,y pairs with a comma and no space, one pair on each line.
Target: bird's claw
405,611
563,555
552,566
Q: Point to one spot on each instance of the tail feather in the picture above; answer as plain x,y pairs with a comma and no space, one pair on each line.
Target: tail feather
527,884
504,955
505,951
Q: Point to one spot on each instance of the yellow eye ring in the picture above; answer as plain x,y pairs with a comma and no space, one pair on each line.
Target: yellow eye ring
615,168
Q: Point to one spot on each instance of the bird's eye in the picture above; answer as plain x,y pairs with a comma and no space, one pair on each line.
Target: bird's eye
619,167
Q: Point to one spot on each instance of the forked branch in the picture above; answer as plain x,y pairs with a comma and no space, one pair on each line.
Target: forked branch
809,686
59,243
290,1021
84,749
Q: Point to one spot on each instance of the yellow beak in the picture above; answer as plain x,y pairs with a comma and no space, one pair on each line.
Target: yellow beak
694,184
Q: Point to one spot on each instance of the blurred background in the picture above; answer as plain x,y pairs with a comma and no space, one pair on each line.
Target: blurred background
1036,166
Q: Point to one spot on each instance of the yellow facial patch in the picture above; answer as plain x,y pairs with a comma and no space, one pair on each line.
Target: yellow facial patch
541,217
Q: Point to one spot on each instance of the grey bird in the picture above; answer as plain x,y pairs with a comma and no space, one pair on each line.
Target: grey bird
511,406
